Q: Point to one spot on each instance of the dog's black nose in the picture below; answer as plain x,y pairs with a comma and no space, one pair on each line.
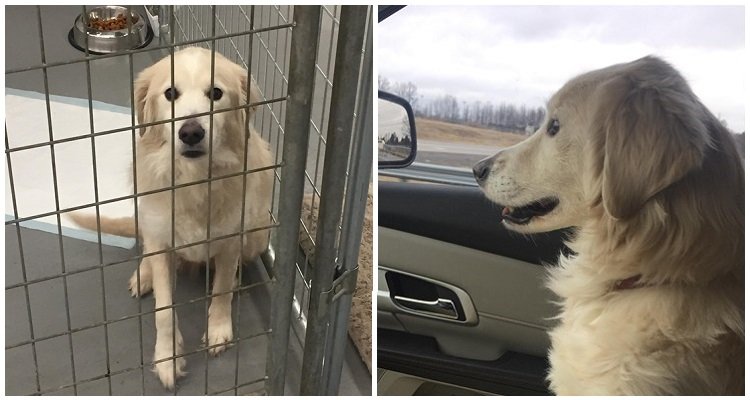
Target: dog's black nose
191,132
482,169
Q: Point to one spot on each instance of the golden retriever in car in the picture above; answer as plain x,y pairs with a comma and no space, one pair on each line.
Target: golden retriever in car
652,295
197,139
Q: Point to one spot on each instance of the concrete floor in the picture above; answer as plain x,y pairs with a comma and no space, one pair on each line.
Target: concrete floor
93,293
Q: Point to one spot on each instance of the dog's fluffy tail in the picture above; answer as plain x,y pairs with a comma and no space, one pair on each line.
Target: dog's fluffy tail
123,226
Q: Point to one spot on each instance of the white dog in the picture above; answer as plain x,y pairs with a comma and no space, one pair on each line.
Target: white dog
191,94
652,298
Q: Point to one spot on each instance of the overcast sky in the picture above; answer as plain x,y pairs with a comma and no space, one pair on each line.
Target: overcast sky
523,54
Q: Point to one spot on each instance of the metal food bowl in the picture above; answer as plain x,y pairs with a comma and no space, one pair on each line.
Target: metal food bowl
110,41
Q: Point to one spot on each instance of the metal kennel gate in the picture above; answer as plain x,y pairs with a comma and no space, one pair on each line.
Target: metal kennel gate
314,68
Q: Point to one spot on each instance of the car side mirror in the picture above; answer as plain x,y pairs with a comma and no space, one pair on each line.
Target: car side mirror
397,133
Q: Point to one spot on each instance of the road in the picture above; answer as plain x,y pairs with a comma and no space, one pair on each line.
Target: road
455,147
452,154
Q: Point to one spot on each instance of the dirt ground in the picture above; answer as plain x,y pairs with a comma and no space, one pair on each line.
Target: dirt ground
360,325
360,320
446,131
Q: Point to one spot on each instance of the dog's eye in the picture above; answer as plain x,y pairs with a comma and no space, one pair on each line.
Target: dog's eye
171,94
215,93
553,127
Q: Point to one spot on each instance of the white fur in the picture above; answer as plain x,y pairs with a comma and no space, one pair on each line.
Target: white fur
654,186
192,78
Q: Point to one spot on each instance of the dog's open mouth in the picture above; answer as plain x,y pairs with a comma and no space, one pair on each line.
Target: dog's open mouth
522,215
193,153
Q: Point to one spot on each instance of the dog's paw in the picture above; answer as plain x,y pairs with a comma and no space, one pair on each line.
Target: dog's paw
169,371
145,287
218,334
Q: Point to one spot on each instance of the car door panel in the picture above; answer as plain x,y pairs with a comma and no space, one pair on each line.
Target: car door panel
508,295
453,234
419,356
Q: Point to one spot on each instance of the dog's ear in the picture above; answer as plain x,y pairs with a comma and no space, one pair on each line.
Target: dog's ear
654,134
140,92
255,95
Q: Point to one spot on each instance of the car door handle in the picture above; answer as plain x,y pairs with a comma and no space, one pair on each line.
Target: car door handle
402,292
444,308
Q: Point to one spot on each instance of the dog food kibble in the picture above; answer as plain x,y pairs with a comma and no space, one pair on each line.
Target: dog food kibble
111,24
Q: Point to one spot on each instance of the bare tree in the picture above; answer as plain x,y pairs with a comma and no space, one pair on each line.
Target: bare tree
502,115
384,83
408,91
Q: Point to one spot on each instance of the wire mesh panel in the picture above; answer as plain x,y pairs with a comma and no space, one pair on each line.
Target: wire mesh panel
270,55
71,327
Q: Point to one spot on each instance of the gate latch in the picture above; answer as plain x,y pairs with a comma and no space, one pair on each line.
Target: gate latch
344,284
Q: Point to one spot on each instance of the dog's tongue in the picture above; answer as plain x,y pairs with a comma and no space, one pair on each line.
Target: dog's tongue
506,211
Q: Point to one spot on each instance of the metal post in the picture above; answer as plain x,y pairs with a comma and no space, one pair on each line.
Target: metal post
297,128
343,98
360,170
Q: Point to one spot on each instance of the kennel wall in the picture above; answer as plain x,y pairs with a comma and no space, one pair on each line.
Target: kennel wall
313,66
